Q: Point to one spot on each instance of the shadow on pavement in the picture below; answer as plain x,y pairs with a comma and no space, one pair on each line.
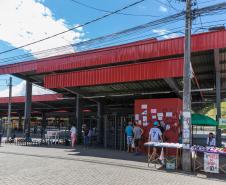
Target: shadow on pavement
91,153
107,153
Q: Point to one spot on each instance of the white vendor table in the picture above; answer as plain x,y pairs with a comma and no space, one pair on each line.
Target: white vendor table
165,146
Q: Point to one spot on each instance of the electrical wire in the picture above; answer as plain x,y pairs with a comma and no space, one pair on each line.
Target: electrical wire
125,33
82,25
200,17
168,4
108,11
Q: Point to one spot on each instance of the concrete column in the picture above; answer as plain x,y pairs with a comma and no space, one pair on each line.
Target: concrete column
100,127
20,122
79,116
27,109
218,93
1,126
105,130
44,124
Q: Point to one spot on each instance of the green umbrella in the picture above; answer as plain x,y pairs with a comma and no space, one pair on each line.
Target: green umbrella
202,120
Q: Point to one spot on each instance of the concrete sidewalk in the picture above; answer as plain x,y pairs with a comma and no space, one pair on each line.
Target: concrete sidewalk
91,154
38,160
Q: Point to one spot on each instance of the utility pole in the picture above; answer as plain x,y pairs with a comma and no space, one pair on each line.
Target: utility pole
9,124
186,157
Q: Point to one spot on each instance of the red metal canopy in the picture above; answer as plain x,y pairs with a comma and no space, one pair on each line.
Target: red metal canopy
133,52
117,74
149,49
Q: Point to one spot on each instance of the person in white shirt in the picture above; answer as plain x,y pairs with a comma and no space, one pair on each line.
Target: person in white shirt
155,135
73,135
211,141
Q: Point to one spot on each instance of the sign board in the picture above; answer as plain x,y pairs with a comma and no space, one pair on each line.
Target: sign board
211,162
222,121
186,132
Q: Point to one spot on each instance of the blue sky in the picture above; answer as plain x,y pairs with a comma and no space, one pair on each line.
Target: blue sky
30,20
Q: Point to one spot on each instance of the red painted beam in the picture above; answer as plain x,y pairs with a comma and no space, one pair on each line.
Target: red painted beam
35,98
117,74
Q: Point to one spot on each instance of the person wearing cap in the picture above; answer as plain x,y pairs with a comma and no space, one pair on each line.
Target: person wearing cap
155,135
129,134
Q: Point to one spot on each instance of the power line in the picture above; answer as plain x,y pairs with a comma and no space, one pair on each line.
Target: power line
200,18
168,4
133,30
177,30
125,33
108,11
82,25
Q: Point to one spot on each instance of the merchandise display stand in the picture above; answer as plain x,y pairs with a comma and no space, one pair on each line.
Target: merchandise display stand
198,162
156,159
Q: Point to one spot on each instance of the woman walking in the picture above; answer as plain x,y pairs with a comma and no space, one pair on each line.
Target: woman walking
73,135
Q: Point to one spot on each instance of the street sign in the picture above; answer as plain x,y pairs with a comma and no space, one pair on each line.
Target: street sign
211,162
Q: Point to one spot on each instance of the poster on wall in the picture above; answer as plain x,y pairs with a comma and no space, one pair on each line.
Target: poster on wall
145,119
145,123
169,114
186,127
136,117
160,114
153,111
144,106
145,112
211,162
154,117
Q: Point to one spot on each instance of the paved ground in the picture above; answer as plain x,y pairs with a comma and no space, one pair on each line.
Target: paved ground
38,165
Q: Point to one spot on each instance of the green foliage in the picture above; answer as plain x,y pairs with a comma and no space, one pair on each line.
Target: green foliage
212,112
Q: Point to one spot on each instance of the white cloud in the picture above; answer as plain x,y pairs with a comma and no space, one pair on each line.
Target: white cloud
25,21
165,34
142,7
19,90
163,8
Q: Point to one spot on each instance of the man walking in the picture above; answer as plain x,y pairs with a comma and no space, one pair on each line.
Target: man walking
129,135
137,132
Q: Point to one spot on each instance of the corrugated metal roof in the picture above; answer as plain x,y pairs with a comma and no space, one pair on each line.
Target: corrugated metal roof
148,50
117,74
118,54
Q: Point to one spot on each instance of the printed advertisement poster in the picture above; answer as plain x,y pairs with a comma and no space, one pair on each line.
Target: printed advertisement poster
145,119
169,114
160,114
153,111
145,112
144,106
211,162
136,117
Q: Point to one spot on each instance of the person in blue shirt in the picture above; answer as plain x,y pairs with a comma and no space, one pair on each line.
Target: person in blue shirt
129,136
